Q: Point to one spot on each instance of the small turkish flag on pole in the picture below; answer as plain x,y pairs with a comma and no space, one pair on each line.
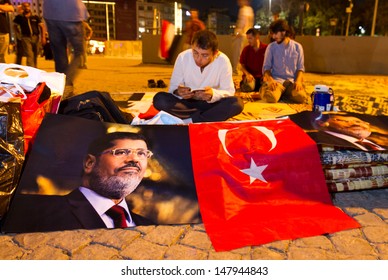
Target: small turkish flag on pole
259,182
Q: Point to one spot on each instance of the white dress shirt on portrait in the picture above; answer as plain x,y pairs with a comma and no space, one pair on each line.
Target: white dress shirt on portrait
102,204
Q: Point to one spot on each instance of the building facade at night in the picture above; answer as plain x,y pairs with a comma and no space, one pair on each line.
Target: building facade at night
128,19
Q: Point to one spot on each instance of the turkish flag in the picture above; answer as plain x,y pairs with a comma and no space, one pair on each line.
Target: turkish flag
259,182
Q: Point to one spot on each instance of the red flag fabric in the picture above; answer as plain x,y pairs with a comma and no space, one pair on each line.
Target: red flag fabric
166,39
259,182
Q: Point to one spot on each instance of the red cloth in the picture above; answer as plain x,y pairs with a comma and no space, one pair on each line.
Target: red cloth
253,60
166,39
285,197
33,112
151,112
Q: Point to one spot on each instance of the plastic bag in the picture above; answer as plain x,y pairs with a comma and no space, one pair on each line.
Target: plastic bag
39,91
11,152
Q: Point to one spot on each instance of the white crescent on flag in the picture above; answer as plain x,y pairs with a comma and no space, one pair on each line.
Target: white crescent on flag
254,172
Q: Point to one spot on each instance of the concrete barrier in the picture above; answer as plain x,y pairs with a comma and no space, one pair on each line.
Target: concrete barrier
328,54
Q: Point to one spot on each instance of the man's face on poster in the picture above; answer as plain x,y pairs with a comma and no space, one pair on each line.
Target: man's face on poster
349,125
117,171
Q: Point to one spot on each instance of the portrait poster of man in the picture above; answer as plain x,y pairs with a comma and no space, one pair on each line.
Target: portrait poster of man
345,129
66,151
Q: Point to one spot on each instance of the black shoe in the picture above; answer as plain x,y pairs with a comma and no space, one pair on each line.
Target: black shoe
151,84
161,84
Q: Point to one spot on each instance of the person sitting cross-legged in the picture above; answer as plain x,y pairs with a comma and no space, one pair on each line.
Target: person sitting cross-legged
251,61
201,86
283,67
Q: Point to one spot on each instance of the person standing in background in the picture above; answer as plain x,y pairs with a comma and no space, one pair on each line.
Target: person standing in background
193,25
5,7
245,21
88,33
64,23
19,46
29,28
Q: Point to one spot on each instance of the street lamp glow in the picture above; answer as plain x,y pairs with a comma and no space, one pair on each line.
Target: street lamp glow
270,7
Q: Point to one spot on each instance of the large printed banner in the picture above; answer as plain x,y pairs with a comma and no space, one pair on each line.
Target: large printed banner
259,182
249,182
48,193
345,130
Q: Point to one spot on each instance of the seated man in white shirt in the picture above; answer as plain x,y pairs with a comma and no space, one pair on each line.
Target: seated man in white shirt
201,85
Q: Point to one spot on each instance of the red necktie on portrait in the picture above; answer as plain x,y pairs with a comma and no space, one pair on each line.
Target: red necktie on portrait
117,213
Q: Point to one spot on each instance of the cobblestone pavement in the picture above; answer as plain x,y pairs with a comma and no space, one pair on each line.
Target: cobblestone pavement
190,242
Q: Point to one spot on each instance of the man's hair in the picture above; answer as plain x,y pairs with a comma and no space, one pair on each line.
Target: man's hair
106,141
205,39
279,25
254,32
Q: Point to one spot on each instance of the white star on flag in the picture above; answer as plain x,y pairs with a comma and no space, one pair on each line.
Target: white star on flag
255,172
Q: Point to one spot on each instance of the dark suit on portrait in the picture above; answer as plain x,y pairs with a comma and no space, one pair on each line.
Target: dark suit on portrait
54,213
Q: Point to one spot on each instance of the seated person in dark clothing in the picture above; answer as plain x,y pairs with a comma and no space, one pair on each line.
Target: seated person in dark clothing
251,61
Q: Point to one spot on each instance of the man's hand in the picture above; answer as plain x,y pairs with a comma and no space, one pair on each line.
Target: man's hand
205,95
298,86
184,92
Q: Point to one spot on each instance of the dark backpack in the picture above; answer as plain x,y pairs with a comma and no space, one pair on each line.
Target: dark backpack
94,105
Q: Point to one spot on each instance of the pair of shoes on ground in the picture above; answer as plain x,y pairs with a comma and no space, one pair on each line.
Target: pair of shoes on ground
158,84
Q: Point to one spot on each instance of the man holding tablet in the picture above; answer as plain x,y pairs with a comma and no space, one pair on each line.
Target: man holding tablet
201,85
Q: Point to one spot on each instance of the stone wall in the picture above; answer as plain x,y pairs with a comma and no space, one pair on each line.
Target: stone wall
328,54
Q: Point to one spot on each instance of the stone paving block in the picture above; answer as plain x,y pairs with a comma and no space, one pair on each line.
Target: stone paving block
224,256
376,234
5,238
351,245
262,253
70,241
383,257
47,253
141,249
142,229
281,246
166,235
96,252
181,252
318,242
10,251
117,238
242,251
354,211
382,248
369,219
358,257
382,212
299,253
199,227
197,239
32,240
